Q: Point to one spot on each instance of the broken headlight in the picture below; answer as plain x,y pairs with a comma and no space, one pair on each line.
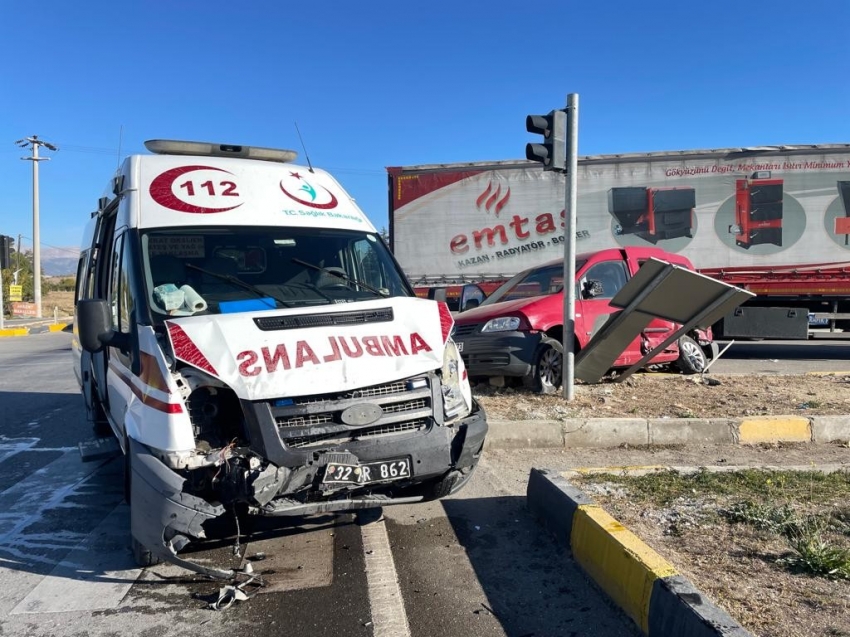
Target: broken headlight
457,400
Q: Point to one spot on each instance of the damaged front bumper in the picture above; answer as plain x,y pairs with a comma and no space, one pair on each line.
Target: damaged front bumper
165,517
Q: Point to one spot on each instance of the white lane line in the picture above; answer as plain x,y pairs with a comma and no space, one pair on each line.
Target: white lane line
389,619
95,575
10,446
28,501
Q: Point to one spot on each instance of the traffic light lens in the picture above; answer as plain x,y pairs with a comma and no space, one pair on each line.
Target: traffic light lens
540,124
552,152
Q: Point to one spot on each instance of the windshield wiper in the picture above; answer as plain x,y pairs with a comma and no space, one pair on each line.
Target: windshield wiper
340,275
239,283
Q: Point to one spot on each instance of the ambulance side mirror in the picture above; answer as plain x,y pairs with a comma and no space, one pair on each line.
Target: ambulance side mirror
94,326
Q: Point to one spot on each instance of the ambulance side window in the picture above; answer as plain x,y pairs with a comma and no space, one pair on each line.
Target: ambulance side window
125,298
115,282
82,290
120,298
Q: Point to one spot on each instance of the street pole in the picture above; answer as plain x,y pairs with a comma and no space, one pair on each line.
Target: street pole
34,142
568,380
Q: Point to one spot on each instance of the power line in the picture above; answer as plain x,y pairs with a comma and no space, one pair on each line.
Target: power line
60,248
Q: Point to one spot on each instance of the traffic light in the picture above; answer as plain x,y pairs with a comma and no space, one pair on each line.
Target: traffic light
552,153
5,252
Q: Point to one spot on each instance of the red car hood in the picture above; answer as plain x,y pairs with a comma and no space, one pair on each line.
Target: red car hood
487,312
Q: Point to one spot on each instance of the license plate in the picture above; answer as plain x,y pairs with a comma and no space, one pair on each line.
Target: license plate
367,473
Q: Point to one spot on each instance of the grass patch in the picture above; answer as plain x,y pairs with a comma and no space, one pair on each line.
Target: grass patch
800,507
662,488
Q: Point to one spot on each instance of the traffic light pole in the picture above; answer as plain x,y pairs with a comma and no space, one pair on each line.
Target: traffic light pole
561,155
568,374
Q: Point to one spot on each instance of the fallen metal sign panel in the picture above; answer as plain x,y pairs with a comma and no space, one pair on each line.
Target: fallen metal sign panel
610,340
662,290
678,294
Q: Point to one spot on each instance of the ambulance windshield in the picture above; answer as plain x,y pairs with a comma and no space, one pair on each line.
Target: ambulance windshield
192,271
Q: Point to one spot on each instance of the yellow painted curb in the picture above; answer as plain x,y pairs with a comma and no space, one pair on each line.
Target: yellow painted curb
20,331
617,560
775,429
58,327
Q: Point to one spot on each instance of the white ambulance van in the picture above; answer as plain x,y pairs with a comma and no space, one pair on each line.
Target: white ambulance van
247,336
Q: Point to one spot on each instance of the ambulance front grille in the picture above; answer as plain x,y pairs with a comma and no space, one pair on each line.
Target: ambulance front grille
405,407
321,440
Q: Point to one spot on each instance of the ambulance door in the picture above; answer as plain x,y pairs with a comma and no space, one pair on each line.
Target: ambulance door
121,381
103,272
83,364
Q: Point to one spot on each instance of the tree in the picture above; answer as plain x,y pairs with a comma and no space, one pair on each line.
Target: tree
22,263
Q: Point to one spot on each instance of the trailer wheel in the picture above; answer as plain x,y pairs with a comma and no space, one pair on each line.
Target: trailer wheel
691,357
548,366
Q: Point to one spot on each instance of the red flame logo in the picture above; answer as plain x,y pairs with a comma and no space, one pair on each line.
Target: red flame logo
490,198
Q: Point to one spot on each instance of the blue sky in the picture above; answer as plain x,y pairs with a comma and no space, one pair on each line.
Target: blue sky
373,84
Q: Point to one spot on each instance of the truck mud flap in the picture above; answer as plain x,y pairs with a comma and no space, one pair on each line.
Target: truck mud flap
162,517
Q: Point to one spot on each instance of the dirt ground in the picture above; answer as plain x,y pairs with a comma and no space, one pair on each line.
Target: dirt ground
737,566
734,565
62,300
656,395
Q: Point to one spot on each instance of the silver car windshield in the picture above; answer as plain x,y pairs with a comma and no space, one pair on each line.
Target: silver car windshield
222,270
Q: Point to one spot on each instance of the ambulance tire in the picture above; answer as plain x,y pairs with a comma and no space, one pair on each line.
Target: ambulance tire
692,359
127,475
449,483
100,424
548,367
142,556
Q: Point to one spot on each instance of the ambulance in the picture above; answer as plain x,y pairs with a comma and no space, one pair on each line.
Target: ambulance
245,333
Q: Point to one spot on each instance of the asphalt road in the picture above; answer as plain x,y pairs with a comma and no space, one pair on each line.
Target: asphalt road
475,564
823,354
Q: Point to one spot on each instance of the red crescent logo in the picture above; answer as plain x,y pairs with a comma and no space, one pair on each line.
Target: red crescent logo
162,193
321,206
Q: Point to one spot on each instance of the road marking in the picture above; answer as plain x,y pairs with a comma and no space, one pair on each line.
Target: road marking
26,503
95,575
10,446
389,619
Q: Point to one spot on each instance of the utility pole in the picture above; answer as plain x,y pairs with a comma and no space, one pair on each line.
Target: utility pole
33,143
17,259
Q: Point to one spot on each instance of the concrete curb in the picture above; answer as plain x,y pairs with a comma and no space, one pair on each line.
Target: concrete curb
637,579
636,432
34,329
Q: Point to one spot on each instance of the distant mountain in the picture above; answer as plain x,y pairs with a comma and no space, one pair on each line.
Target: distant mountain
59,261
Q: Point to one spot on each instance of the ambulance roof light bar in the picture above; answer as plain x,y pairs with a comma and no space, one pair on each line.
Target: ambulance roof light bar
175,147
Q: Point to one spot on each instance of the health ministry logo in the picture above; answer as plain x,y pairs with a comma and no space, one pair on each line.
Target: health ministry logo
297,188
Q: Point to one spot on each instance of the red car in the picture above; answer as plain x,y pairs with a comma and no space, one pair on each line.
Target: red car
517,331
